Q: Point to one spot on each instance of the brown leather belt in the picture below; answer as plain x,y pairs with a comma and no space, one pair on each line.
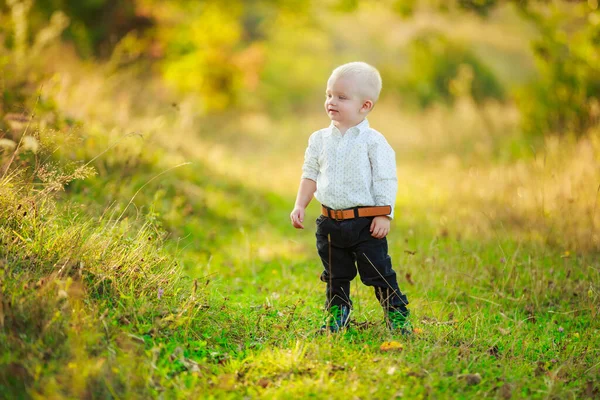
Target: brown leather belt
349,213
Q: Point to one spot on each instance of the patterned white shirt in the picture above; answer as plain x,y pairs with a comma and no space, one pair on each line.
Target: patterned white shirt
351,170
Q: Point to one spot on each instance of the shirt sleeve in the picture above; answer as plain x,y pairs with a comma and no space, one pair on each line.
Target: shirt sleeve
383,168
310,168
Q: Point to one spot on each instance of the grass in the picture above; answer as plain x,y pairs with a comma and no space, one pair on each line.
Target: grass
503,310
146,278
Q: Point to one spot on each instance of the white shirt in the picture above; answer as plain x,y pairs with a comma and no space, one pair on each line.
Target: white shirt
351,170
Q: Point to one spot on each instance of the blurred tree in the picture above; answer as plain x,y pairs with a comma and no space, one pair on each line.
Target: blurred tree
218,50
439,69
481,7
273,53
96,25
200,54
404,8
19,52
298,58
566,96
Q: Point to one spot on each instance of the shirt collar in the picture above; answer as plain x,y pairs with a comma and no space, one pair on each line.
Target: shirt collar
356,129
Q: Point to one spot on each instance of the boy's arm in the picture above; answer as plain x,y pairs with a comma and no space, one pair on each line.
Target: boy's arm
385,183
308,183
383,166
305,194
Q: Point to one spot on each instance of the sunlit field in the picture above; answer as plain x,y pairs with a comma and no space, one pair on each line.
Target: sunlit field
146,249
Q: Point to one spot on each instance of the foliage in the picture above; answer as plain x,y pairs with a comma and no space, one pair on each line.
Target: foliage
441,70
565,97
237,55
81,295
481,7
296,66
124,276
202,54
96,306
21,65
96,26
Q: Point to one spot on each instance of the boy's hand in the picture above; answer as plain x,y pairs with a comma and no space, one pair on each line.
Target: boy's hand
380,227
297,217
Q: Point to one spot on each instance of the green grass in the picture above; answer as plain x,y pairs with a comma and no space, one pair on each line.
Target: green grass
499,314
171,270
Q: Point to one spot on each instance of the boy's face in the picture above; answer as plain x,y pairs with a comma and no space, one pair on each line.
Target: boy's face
344,104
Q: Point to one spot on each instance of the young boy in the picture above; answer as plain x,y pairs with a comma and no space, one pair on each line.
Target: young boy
351,170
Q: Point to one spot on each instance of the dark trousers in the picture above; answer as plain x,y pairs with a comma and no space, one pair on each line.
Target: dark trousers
347,247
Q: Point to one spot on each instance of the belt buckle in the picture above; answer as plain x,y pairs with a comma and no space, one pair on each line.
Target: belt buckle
338,215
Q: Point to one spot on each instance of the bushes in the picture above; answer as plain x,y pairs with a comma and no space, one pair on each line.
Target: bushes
441,70
79,293
565,97
96,26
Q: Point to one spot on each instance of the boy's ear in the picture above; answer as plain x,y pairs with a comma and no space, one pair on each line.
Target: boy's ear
367,106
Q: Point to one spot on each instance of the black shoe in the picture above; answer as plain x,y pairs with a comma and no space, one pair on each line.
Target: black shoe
398,321
337,320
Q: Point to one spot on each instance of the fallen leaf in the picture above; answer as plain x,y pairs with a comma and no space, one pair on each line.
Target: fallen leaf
335,367
263,382
391,346
471,379
494,351
540,369
506,391
417,374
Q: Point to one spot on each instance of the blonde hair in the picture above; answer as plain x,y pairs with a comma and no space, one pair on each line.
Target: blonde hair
368,77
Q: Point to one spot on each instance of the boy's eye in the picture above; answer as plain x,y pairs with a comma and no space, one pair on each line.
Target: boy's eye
342,97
